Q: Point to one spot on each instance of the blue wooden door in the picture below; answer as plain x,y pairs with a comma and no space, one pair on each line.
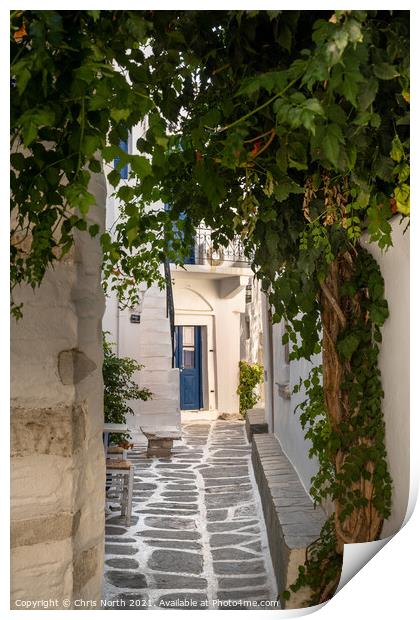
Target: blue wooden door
188,360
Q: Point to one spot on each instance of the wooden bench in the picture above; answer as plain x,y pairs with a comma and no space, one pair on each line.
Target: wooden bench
160,441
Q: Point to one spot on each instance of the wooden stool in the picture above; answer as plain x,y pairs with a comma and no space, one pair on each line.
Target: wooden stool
160,441
120,477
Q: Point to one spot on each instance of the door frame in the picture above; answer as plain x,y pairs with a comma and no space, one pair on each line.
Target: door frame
208,354
198,361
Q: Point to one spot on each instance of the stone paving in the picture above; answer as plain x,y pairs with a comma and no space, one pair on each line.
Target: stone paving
197,537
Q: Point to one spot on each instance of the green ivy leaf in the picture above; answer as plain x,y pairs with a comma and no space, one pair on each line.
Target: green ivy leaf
95,165
397,149
385,71
141,166
348,345
402,196
120,114
368,93
93,230
114,177
333,137
22,71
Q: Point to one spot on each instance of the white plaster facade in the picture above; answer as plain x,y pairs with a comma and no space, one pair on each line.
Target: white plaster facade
213,297
148,342
394,363
281,376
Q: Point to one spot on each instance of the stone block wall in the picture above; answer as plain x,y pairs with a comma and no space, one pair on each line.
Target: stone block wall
291,520
57,459
255,423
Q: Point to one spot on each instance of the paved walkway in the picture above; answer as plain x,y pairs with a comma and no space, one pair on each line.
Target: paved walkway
197,538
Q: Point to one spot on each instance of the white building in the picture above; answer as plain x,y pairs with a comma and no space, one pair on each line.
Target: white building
210,303
191,336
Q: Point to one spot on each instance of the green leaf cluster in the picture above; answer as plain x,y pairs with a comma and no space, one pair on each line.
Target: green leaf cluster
250,377
322,553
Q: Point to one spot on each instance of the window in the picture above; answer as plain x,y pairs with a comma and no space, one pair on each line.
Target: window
124,170
188,358
188,336
188,347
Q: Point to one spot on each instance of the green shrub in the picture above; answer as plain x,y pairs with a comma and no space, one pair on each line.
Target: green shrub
119,388
250,375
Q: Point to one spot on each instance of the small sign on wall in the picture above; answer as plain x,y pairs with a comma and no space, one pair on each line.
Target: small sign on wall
134,318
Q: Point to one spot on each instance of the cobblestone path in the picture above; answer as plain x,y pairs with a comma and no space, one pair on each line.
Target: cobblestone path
197,532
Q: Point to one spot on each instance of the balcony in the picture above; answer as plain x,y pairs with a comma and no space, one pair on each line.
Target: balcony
203,252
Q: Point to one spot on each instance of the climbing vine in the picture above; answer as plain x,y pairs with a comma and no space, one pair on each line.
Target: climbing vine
343,420
287,128
250,376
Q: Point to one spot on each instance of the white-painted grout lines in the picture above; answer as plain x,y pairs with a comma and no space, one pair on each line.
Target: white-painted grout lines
205,536
219,448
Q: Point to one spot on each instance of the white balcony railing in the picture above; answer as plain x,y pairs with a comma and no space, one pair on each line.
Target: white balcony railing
204,251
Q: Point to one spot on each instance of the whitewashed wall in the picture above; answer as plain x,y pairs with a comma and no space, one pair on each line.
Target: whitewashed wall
394,363
147,342
394,366
57,456
284,422
251,326
201,300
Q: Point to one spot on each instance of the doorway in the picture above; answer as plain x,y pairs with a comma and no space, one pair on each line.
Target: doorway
188,360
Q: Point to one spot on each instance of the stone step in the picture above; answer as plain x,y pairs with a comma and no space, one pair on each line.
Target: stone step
148,335
255,422
292,522
162,390
158,338
156,298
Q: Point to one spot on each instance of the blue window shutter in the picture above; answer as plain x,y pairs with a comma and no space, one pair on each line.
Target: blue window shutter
124,170
190,259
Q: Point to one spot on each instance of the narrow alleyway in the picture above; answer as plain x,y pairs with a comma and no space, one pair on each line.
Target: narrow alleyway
197,538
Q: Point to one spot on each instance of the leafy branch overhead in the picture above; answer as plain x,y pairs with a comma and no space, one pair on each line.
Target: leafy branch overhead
327,93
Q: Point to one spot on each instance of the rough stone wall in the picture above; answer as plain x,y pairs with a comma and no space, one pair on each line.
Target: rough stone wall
57,459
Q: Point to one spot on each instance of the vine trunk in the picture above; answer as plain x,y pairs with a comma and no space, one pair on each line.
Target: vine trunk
338,313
